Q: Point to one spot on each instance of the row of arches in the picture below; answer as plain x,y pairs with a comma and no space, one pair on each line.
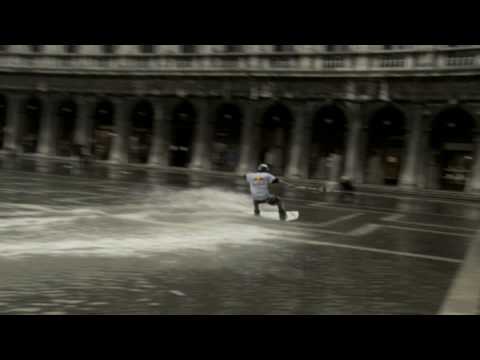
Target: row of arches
451,140
449,150
227,126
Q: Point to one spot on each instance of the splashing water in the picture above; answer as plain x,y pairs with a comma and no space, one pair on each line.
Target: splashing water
161,221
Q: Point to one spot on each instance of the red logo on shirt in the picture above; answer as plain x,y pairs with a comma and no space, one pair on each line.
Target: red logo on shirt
259,180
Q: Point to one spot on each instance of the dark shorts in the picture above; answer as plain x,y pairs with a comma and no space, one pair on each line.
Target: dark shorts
272,200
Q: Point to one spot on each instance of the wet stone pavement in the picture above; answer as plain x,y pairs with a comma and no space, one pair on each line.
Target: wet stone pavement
108,240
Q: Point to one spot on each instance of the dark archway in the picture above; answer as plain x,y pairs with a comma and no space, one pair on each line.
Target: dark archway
103,130
30,133
67,115
226,137
141,130
276,128
327,149
182,134
386,146
452,149
3,120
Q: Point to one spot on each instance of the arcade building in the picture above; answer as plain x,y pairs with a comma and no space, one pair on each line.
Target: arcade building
389,115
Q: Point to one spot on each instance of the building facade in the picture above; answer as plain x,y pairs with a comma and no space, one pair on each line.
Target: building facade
396,115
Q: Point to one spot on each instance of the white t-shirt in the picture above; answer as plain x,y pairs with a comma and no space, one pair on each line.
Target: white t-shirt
259,183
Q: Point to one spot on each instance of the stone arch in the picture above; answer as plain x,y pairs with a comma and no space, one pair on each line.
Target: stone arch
32,111
433,115
340,105
375,107
327,142
386,145
227,128
276,127
141,130
182,127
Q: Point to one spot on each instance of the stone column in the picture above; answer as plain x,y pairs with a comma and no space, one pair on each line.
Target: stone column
203,128
355,143
14,121
364,142
159,151
295,168
84,121
474,185
48,137
249,133
307,140
335,170
410,168
122,114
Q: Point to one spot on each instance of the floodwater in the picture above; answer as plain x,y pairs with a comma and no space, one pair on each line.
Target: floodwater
126,242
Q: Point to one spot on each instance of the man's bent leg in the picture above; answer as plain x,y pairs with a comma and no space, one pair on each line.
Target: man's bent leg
281,210
256,207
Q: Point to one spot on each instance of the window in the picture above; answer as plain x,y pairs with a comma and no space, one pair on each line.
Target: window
36,48
108,49
282,48
187,49
71,49
233,48
147,49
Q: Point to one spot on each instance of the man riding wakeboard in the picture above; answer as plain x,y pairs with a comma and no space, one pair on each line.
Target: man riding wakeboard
259,189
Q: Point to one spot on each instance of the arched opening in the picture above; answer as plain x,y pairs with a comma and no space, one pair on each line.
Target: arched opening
31,125
182,134
327,144
103,130
274,143
141,130
386,144
67,114
452,149
3,120
226,138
